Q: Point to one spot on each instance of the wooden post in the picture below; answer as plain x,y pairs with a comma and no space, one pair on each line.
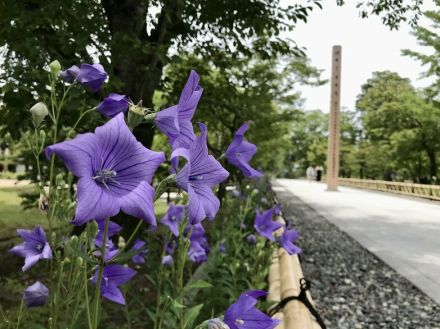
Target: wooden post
334,121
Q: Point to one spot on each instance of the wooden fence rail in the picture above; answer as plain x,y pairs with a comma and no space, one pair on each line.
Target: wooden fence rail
285,274
431,192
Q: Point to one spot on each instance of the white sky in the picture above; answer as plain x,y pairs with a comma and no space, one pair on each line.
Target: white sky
367,46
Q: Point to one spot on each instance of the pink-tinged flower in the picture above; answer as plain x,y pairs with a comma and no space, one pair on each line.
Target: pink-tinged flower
141,249
167,260
244,315
114,172
172,218
264,224
240,152
34,247
201,172
175,121
70,74
112,105
36,295
91,76
113,276
287,239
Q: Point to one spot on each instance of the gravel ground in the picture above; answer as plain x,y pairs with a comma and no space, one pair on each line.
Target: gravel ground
351,287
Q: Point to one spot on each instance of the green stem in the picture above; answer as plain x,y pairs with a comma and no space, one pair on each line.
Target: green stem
79,120
99,279
89,318
56,297
20,314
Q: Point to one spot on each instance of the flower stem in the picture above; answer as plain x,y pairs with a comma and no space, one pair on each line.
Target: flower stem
86,293
20,314
99,279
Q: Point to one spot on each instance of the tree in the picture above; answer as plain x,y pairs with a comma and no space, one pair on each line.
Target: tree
400,120
429,38
136,39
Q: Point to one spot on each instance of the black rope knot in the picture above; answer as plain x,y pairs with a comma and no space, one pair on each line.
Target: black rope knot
302,297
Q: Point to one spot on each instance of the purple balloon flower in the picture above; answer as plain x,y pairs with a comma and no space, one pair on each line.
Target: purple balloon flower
91,76
264,224
112,105
244,315
167,260
139,246
240,152
113,276
114,172
222,248
171,246
198,176
175,121
36,295
34,247
173,217
251,239
197,253
287,239
70,74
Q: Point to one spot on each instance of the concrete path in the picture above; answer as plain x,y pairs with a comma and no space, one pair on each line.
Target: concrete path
403,232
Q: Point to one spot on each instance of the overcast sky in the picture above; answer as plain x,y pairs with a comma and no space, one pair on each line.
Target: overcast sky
367,46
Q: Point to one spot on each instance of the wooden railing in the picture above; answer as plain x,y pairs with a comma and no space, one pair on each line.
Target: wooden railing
431,192
285,274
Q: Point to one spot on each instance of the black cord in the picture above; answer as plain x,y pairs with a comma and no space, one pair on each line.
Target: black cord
302,297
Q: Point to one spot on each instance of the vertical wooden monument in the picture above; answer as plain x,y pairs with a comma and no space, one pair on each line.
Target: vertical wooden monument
334,121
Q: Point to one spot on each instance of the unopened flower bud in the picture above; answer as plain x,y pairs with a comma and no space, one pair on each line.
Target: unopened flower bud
74,239
55,68
53,237
39,111
66,260
92,229
79,261
136,115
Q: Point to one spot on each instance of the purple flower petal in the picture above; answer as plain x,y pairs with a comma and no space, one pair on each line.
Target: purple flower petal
70,74
113,276
34,247
198,176
173,217
240,152
287,239
36,295
175,121
91,76
112,293
167,260
112,105
264,224
115,171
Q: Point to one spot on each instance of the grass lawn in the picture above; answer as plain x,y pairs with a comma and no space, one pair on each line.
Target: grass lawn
12,215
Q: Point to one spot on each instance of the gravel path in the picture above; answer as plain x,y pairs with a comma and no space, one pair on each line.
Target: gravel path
351,287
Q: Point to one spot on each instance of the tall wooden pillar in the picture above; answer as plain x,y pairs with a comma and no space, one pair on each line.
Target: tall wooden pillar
334,121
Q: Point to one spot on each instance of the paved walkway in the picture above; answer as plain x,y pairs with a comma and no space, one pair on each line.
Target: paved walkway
403,232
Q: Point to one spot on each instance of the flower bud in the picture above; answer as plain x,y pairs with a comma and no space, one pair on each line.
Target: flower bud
36,295
39,111
55,68
135,116
66,260
79,261
74,239
92,229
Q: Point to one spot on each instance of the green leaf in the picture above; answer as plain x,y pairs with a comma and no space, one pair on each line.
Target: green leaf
191,315
176,304
199,284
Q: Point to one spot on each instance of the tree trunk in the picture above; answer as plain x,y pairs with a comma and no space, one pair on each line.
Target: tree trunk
138,58
432,163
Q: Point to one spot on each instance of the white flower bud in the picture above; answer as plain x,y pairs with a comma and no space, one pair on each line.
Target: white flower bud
55,68
39,111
